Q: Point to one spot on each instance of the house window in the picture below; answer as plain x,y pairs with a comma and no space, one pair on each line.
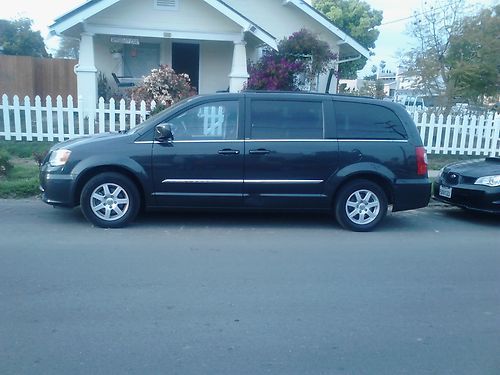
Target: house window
166,4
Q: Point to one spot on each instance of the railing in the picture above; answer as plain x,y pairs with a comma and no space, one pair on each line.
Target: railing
468,135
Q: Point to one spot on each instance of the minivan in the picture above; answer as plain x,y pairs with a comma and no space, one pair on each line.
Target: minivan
354,157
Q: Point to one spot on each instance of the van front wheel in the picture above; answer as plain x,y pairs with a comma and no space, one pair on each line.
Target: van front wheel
110,200
360,205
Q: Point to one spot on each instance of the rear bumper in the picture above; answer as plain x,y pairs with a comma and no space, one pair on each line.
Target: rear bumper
411,194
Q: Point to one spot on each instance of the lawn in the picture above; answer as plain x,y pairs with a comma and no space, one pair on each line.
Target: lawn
438,161
22,180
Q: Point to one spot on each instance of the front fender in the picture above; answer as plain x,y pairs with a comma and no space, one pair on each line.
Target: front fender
131,167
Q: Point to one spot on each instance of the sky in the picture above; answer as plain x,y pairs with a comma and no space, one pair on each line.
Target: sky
393,37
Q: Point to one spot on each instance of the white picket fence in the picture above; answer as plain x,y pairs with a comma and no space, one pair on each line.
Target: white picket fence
49,122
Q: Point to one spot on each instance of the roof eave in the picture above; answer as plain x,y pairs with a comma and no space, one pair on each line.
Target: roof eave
319,17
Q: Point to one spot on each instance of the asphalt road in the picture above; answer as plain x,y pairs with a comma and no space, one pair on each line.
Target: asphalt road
248,294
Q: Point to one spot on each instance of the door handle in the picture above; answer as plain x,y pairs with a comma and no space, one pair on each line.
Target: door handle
260,151
228,151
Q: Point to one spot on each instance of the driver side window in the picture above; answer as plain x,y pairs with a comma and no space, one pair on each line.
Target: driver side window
209,121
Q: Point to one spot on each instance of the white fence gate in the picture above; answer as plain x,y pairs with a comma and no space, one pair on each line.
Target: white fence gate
34,121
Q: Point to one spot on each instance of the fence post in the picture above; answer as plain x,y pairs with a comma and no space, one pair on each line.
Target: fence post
17,118
496,136
60,119
447,132
454,143
71,118
112,115
50,122
463,134
27,118
102,115
6,117
143,111
81,119
122,114
39,120
133,113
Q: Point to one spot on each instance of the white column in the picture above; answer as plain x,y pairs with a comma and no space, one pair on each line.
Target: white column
239,72
86,73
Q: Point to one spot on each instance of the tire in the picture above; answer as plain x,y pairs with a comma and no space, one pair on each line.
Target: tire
360,205
110,200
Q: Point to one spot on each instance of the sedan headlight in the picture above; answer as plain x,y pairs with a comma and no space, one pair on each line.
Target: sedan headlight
493,181
59,157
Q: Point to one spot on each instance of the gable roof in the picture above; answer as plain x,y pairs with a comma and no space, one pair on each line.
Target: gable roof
92,7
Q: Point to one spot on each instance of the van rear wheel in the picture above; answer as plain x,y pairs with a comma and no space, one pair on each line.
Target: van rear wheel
110,200
360,205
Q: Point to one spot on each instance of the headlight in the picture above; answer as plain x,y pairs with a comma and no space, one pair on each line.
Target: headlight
59,157
493,181
440,173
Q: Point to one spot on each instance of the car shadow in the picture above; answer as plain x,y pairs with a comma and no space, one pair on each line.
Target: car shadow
235,219
475,217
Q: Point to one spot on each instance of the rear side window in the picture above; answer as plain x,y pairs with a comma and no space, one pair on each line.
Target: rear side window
367,121
282,119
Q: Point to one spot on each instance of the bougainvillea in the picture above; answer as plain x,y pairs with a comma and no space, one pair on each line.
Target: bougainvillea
164,86
301,54
273,72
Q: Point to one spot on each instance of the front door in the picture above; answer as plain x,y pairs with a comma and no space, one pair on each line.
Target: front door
203,165
186,59
288,156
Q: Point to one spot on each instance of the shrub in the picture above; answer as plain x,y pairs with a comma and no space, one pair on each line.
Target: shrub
5,165
301,54
164,86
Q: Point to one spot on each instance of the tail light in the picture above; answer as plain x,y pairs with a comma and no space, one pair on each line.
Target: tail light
421,161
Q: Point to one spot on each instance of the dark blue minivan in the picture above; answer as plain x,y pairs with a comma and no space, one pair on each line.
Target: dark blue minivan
252,150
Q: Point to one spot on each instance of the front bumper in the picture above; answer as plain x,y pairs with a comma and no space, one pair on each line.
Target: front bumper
473,197
57,188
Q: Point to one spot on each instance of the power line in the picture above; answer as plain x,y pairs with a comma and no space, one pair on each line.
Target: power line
426,12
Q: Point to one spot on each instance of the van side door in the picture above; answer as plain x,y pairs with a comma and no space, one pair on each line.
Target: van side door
202,166
288,154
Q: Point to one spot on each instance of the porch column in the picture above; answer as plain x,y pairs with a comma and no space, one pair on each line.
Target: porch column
239,73
86,74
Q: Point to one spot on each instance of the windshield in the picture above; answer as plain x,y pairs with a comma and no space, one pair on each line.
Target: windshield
154,118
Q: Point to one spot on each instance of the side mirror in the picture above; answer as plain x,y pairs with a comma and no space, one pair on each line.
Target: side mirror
163,133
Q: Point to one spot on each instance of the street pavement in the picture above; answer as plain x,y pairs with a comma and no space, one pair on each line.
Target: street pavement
201,293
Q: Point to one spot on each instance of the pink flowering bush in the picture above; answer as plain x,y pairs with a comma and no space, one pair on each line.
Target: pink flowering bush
164,86
301,54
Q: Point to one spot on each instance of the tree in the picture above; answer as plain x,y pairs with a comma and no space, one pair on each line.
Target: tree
456,57
17,38
69,48
359,20
474,56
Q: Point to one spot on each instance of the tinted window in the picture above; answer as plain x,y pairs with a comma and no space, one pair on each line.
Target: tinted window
367,121
210,121
282,119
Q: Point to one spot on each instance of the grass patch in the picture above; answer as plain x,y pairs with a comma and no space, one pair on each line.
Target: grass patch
437,161
21,182
24,149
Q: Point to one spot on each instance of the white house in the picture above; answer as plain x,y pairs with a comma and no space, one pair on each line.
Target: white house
211,40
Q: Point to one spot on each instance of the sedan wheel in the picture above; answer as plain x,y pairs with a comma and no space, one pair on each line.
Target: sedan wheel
110,200
360,206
